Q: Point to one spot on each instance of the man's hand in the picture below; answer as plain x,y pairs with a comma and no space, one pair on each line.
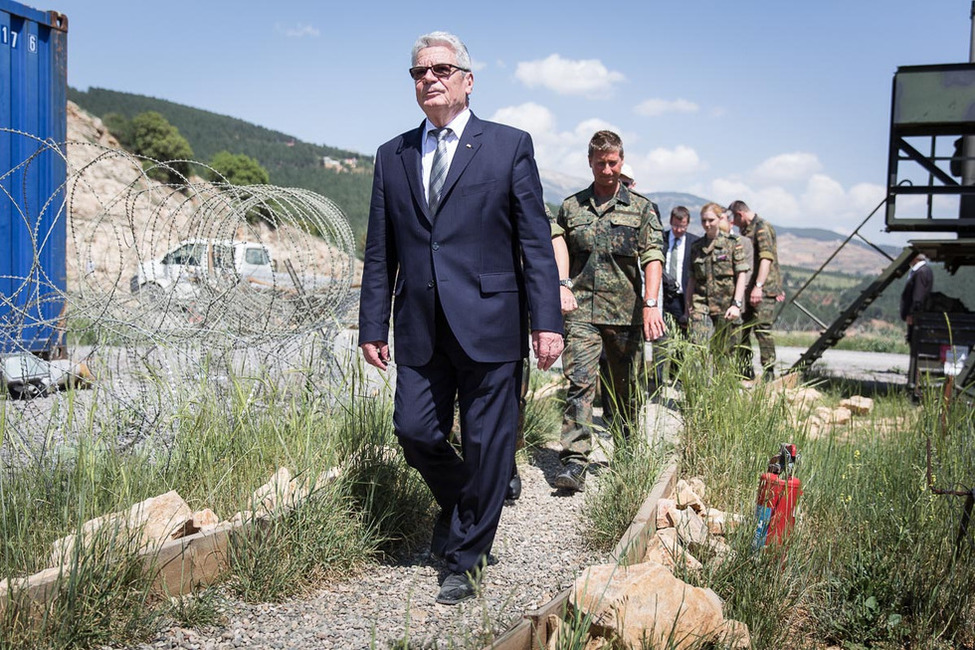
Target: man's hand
376,353
547,347
568,300
653,323
755,297
732,313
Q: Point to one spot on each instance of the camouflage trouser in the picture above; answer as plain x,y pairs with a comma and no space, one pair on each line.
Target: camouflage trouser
758,320
623,346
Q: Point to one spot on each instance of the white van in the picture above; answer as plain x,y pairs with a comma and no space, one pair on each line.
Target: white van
204,261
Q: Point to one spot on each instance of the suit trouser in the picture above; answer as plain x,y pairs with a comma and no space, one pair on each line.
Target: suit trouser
471,486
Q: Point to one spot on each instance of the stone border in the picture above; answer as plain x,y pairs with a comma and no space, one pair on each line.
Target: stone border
175,567
532,631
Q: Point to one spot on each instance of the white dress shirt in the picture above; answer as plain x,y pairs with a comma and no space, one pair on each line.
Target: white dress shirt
676,248
456,126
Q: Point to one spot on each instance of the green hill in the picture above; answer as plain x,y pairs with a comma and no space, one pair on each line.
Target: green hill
289,161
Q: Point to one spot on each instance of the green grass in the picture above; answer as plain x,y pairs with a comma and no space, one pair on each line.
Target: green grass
218,447
623,487
870,561
221,441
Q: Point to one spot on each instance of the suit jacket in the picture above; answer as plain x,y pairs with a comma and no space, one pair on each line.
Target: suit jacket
916,291
486,255
673,302
685,269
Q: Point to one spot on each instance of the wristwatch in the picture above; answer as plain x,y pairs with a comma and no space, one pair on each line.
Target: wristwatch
759,284
651,303
736,303
567,283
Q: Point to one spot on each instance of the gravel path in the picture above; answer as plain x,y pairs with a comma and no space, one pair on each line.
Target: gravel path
540,551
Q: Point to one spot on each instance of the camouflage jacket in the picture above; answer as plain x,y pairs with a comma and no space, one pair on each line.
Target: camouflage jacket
714,264
608,248
762,235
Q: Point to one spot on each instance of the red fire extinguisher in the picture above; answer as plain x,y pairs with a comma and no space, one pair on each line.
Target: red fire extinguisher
778,494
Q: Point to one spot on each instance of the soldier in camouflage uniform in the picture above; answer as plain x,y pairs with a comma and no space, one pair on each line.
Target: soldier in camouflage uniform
717,285
608,246
764,290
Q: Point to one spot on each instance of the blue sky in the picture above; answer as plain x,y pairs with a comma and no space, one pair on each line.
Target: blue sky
784,104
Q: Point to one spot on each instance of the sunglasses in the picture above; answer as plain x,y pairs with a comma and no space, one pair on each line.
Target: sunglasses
440,71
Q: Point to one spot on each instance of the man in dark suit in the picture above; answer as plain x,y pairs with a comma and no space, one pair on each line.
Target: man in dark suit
677,262
677,272
459,243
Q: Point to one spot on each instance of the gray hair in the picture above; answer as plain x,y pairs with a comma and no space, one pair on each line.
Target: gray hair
445,39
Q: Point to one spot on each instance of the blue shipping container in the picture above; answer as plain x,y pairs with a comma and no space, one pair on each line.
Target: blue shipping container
33,219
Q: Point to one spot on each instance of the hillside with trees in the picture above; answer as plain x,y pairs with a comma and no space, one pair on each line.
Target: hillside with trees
345,177
245,153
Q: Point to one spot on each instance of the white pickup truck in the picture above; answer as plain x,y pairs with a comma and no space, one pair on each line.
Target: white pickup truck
203,261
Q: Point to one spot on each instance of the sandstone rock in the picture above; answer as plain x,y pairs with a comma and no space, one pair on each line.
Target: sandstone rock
734,634
841,415
858,404
824,414
276,492
664,508
697,484
803,397
716,551
647,601
201,520
687,498
242,517
664,548
148,523
715,520
784,382
690,528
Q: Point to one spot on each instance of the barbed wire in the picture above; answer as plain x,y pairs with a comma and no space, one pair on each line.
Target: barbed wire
157,290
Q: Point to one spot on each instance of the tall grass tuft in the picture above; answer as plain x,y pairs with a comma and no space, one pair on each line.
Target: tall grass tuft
395,503
227,436
282,555
870,563
101,596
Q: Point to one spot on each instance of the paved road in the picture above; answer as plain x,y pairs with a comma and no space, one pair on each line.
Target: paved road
853,364
863,366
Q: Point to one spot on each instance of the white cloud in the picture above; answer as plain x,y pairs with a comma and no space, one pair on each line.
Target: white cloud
822,202
478,65
864,197
531,117
825,197
657,107
560,151
298,31
787,168
587,77
664,169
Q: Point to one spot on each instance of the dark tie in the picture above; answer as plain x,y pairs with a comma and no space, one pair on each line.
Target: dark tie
438,172
672,262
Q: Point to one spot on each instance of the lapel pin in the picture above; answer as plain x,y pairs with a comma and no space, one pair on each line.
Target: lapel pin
468,146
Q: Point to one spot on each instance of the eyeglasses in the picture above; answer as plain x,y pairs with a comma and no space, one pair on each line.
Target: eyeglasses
440,70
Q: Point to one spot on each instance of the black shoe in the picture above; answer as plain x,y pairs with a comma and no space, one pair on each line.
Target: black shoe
514,486
441,530
456,588
572,477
